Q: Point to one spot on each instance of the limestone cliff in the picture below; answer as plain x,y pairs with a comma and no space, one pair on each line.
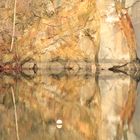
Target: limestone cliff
95,31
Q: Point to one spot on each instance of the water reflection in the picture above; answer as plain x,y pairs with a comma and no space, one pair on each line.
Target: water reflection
85,106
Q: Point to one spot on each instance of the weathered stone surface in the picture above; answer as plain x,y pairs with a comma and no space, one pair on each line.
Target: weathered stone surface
129,3
117,41
45,31
65,39
100,31
28,65
134,12
8,58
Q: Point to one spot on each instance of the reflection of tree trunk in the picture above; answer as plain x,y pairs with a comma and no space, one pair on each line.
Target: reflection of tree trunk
118,102
127,111
129,107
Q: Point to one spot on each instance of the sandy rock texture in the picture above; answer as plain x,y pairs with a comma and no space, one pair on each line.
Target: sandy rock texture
97,31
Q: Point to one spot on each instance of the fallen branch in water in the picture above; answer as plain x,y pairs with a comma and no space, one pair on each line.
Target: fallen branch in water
15,111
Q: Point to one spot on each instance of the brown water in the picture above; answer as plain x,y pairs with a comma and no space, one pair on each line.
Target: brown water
65,106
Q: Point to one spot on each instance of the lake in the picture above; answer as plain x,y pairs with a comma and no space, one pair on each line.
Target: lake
63,105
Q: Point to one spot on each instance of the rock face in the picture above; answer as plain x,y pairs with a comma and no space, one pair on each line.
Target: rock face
97,31
134,11
63,30
129,3
117,40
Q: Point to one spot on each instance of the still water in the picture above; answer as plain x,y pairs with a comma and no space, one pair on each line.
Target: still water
65,106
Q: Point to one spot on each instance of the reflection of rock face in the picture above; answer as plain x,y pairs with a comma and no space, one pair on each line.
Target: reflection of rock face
52,99
135,121
118,99
87,107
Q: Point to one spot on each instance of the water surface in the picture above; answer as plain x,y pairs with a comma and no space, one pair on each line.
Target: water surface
66,106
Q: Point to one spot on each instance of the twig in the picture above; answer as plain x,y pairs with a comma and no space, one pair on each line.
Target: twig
13,31
15,111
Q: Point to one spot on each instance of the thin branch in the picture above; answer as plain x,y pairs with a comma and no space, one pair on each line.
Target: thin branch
14,24
15,111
